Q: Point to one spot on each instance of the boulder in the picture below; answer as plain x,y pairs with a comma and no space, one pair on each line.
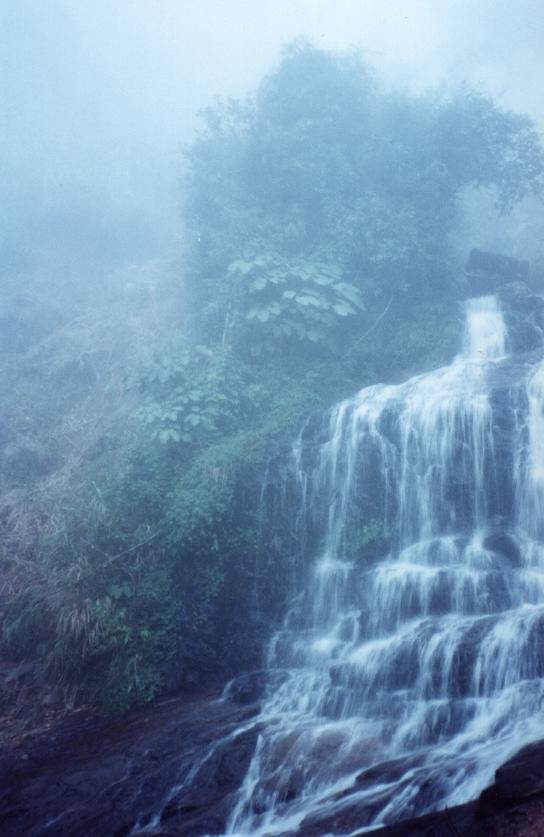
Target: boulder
521,777
488,271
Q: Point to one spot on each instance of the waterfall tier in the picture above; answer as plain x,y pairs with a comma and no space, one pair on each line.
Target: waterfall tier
413,654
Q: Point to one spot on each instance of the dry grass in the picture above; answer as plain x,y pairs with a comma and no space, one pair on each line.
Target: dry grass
69,400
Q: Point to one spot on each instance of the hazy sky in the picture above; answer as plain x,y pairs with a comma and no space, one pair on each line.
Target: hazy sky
96,96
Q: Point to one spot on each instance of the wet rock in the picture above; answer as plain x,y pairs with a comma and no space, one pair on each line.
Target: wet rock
524,316
98,776
520,777
524,335
205,806
514,804
519,297
453,822
505,545
252,686
487,271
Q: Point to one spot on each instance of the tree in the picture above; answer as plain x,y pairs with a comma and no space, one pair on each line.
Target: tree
323,170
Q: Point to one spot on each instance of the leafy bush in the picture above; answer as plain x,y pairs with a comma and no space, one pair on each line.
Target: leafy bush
193,396
291,299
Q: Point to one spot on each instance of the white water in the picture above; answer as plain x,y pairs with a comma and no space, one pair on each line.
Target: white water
419,662
532,481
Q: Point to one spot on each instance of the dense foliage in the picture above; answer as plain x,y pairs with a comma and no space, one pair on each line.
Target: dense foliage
323,174
319,217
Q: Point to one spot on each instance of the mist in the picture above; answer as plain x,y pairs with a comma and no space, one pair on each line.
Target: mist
271,417
97,101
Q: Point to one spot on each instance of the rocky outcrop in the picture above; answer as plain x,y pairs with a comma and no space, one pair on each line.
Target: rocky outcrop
508,278
486,271
524,316
513,805
97,776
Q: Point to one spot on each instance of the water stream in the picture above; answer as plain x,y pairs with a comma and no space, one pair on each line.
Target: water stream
413,655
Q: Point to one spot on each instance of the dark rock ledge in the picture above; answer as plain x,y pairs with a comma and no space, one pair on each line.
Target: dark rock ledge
94,776
512,807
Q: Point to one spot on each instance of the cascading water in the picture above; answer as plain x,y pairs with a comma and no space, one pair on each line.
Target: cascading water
412,659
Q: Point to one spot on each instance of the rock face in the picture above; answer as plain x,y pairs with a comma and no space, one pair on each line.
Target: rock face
524,317
488,271
513,805
93,776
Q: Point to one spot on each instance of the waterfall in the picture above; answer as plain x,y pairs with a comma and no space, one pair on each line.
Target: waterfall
531,515
413,652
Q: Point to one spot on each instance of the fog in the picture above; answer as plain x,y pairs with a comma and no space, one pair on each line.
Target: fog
271,414
97,99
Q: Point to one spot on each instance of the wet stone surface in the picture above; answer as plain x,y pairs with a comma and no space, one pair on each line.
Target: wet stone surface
94,776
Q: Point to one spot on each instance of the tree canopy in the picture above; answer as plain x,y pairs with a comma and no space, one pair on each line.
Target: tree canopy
324,193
